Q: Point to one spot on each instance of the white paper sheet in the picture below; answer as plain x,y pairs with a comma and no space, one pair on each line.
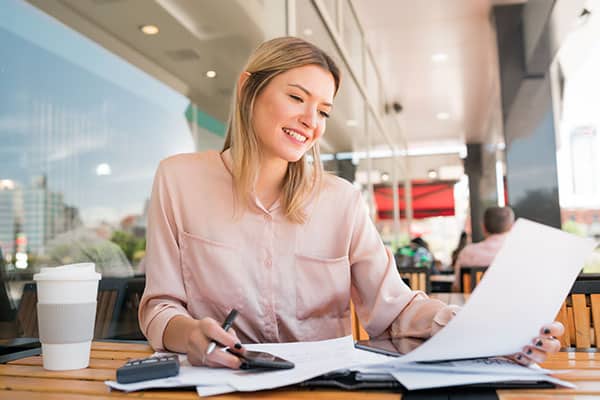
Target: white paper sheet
494,365
522,290
415,380
310,358
214,390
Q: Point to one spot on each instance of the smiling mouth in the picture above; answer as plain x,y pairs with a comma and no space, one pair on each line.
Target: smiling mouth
294,135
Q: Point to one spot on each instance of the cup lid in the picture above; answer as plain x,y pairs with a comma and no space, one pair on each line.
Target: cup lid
75,272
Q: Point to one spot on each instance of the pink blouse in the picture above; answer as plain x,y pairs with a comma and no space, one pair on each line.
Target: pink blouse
290,282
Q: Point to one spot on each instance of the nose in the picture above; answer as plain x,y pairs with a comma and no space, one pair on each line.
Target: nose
309,117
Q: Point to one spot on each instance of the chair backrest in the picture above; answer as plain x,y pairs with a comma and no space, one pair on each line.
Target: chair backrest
128,327
580,314
111,295
417,278
7,307
470,276
358,331
27,311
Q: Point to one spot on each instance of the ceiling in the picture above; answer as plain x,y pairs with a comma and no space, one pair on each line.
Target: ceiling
405,36
197,36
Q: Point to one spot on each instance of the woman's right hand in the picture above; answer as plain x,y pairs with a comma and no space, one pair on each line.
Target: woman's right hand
200,335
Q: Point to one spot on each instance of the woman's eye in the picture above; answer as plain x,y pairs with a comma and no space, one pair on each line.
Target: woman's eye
324,114
297,98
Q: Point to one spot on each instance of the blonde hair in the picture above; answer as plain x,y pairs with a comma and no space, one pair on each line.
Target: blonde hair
269,60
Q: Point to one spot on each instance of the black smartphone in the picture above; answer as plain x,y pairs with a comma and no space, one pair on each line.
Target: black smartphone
260,359
389,347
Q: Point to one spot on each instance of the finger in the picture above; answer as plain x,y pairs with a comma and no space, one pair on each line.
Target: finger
555,329
545,344
197,354
443,316
213,330
223,359
520,358
233,333
533,354
238,347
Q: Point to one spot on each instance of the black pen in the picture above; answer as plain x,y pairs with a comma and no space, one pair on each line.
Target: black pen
226,325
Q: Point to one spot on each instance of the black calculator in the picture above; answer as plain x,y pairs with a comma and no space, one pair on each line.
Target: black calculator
143,369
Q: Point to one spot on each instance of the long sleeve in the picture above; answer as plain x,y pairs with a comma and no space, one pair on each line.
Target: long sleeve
383,302
164,295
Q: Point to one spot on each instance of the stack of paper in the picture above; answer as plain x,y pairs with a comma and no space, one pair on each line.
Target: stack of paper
522,290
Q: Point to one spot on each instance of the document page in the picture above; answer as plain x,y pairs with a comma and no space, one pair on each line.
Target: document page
522,290
310,358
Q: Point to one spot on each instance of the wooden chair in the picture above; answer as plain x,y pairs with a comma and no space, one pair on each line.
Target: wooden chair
417,277
470,276
27,311
7,307
111,294
580,314
128,327
358,332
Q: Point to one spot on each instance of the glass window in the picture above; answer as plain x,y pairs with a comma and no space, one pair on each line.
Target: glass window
82,132
79,150
373,85
347,119
353,40
575,89
331,7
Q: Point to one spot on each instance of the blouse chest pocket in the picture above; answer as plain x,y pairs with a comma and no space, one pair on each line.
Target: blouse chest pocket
322,287
213,276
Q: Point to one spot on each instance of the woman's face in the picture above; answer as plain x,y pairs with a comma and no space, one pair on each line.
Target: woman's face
290,113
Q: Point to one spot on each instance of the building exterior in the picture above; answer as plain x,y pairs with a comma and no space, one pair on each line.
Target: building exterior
43,215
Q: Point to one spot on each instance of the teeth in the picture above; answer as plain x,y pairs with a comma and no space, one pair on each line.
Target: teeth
295,135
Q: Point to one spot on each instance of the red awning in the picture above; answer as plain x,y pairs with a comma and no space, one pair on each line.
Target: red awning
429,199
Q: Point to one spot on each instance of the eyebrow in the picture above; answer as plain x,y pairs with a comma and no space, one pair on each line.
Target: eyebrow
305,90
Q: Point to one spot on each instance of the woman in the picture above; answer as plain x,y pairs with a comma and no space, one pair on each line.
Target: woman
258,228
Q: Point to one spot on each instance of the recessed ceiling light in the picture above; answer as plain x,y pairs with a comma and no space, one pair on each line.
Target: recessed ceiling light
432,174
211,74
149,29
103,169
307,32
351,123
439,57
442,115
385,177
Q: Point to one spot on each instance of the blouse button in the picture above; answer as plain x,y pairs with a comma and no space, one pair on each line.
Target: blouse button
268,262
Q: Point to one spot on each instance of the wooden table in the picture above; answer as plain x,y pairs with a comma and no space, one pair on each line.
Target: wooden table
26,379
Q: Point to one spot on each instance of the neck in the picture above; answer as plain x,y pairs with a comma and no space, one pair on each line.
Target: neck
270,179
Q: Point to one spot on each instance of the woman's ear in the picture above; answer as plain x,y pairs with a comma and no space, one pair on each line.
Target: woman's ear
241,81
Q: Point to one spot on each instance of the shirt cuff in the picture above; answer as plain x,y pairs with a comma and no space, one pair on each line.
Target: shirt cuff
156,327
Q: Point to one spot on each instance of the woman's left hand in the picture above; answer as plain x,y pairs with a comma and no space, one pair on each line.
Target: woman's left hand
541,346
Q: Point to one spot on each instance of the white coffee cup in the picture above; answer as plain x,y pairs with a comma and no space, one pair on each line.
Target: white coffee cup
66,314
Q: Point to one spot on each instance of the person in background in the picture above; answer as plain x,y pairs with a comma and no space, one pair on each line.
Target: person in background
462,242
415,254
497,221
259,228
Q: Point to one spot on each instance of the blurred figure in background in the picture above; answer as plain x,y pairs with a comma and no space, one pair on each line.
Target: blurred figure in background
415,254
462,242
497,221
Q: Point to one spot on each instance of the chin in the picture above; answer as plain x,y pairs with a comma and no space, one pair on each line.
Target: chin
292,156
